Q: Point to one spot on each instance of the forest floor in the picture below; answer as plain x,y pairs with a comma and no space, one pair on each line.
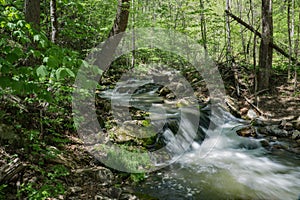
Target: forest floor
281,102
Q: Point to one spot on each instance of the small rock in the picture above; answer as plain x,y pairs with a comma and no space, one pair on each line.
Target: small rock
127,196
164,91
296,123
264,143
171,96
73,190
282,124
262,130
296,135
114,192
244,110
286,125
251,114
100,197
247,132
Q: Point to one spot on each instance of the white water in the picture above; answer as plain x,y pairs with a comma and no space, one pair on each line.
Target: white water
226,166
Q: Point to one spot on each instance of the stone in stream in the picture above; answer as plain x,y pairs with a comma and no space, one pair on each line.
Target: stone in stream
248,131
286,125
273,130
296,123
296,135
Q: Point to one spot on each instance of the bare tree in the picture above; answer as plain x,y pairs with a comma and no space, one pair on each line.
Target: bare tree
110,46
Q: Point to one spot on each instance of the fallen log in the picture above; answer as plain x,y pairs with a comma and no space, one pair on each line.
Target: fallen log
11,170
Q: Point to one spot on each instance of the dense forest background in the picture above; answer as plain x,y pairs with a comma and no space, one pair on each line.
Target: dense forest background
255,44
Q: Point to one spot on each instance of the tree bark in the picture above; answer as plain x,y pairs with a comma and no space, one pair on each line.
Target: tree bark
121,20
54,23
228,34
265,50
33,12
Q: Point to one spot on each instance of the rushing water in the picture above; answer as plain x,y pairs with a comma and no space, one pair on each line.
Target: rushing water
226,166
223,166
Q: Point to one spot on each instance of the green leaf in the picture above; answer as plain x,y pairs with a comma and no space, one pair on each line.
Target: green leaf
4,82
51,61
42,71
64,72
36,38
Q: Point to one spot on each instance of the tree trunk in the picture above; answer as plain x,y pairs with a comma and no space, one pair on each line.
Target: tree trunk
33,12
290,36
203,26
104,57
228,34
121,20
54,24
297,41
266,51
240,10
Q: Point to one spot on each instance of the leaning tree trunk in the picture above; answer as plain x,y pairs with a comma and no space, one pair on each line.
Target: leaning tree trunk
33,12
106,55
266,51
121,19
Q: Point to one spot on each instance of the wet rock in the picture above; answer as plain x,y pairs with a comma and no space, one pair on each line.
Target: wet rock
263,130
286,125
296,135
247,132
274,130
265,143
249,144
296,123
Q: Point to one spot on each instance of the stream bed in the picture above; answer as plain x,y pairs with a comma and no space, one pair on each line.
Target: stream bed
221,166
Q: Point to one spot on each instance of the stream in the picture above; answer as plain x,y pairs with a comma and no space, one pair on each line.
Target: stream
221,166
235,168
